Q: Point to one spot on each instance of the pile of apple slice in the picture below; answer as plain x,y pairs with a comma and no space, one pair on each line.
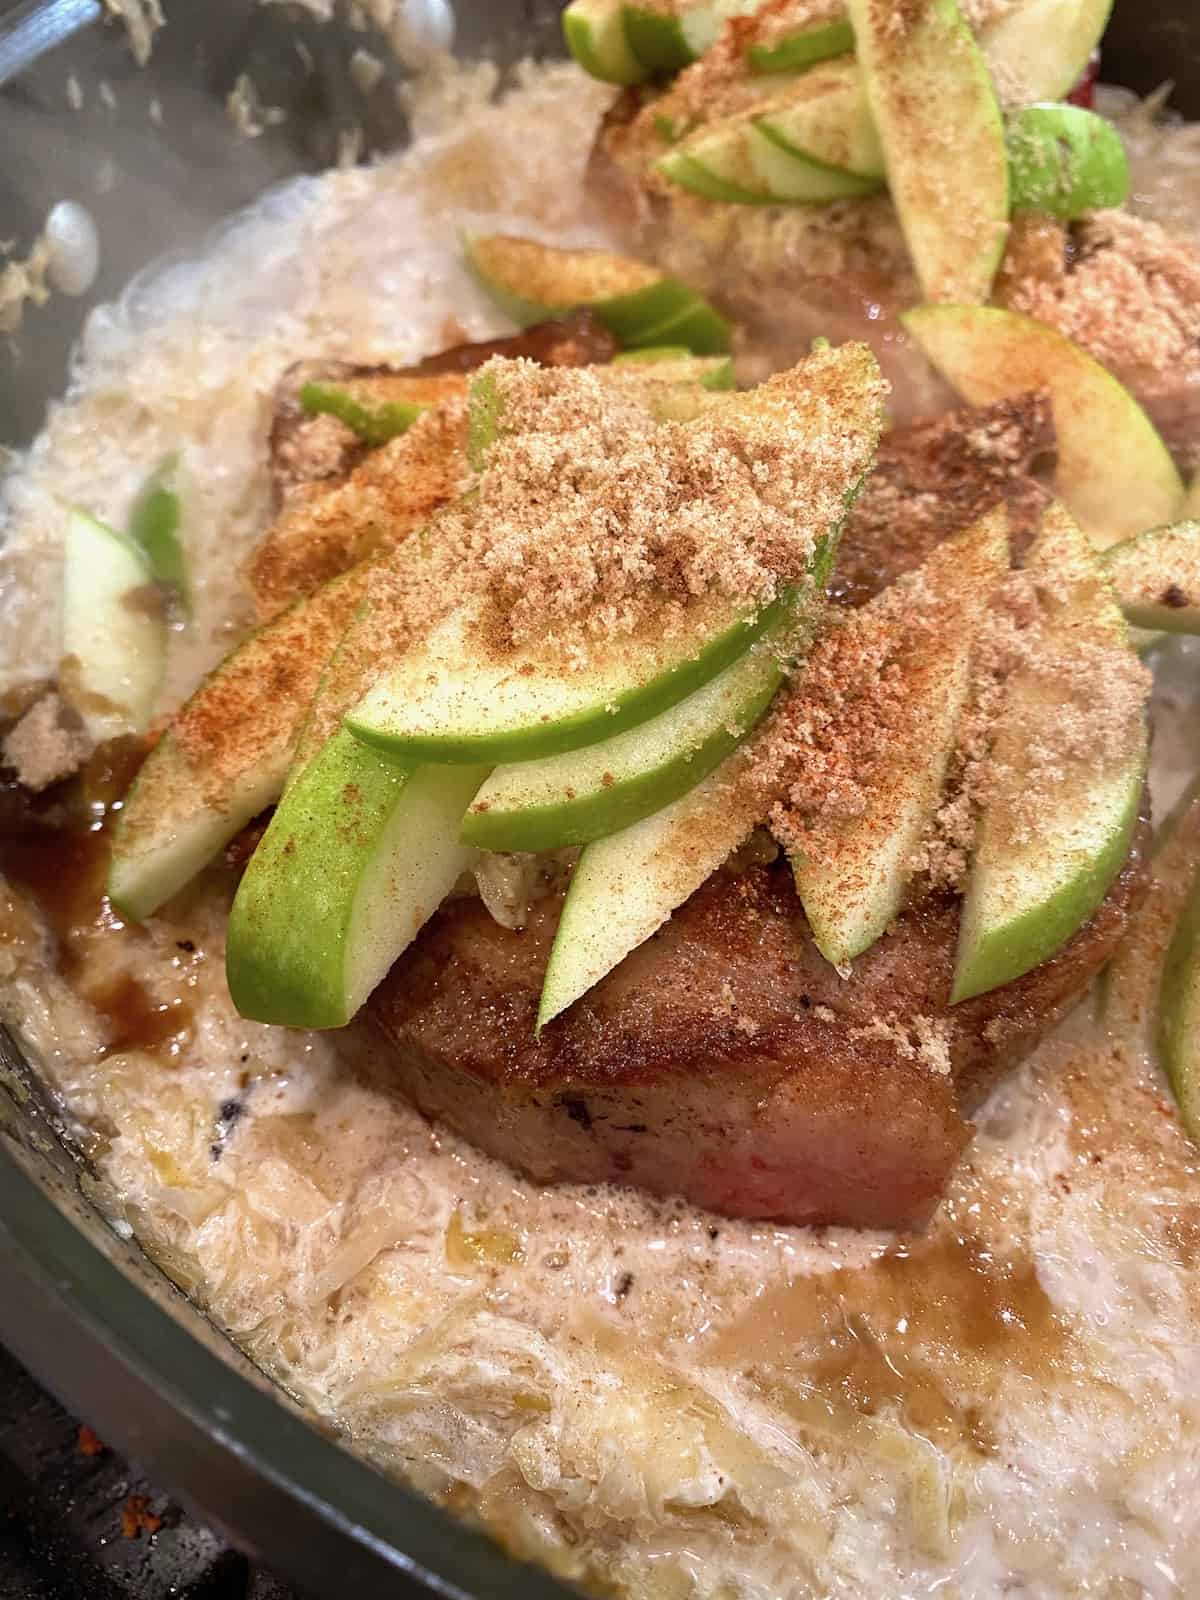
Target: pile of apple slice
1042,44
913,106
391,776
378,763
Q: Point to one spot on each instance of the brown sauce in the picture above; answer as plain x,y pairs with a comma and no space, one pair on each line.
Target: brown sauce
55,850
913,1336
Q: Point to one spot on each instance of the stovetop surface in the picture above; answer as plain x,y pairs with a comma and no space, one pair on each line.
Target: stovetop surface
79,1523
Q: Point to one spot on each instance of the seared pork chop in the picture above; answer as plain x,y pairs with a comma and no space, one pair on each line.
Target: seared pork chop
725,1060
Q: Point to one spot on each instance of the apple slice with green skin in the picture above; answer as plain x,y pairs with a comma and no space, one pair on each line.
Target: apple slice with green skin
447,702
226,754
626,886
852,875
1133,978
357,857
1178,1032
1037,876
1156,576
114,632
712,372
673,387
932,99
374,422
156,524
1065,161
450,700
1042,47
1114,471
587,794
735,162
802,49
594,33
826,119
531,282
665,41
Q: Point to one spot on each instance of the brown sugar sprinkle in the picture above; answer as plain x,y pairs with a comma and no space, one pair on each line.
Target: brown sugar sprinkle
836,739
922,1039
1119,285
592,514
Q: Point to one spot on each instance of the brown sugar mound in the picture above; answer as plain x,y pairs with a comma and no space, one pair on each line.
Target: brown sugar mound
1129,293
592,514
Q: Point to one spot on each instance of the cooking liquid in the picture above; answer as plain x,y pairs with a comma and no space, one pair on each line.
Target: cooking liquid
639,1394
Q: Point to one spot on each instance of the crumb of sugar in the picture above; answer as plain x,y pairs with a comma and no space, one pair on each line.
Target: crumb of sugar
922,1039
1119,285
595,518
47,744
142,19
246,111
25,282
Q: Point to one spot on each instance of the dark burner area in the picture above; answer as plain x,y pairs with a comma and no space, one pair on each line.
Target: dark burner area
66,1517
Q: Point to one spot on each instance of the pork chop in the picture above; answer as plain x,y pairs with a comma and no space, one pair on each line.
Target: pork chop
725,1060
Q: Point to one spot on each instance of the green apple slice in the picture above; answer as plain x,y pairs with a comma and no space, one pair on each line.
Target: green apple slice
531,282
734,161
852,876
802,49
1156,576
1178,1033
1114,471
1134,976
932,99
826,119
626,886
1039,49
594,33
358,856
1065,161
156,524
114,633
446,701
450,699
373,419
586,794
226,754
665,41
711,372
1035,880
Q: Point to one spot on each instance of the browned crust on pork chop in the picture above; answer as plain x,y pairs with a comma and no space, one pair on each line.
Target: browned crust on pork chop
935,478
725,1060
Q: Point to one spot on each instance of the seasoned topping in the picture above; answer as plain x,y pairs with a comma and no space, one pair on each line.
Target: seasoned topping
938,477
47,744
593,514
1122,287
